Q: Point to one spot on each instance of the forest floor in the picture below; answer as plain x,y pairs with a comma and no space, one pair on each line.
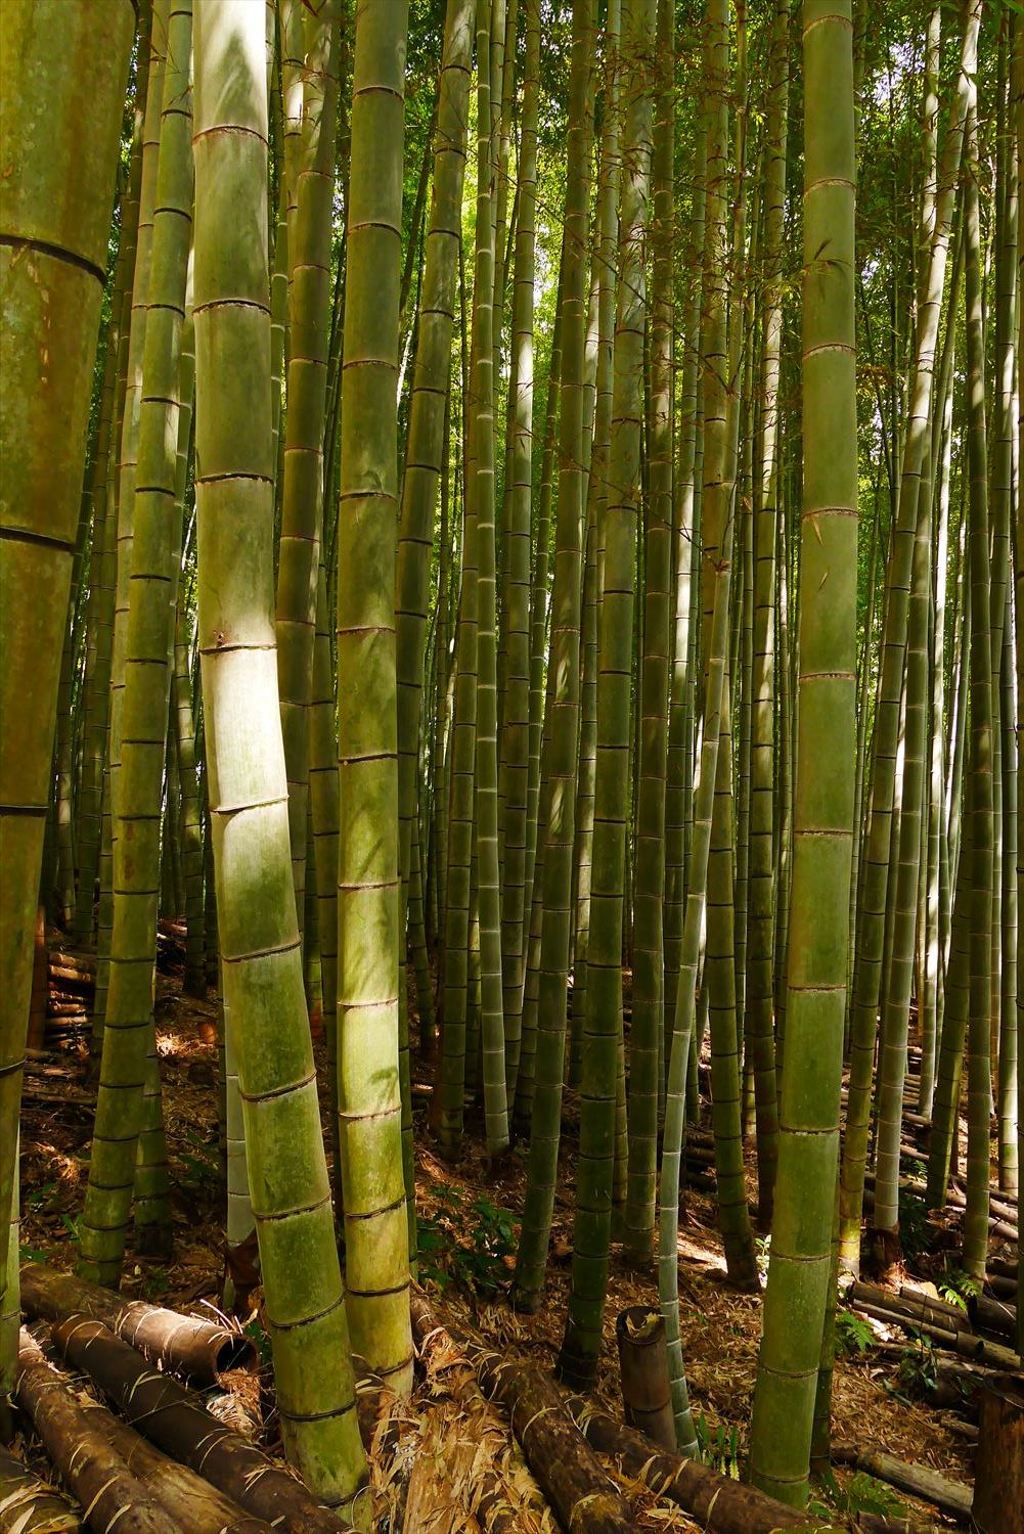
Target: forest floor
469,1216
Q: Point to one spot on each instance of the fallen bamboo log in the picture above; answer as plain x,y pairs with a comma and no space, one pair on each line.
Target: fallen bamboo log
28,1505
175,1419
718,1503
197,1506
916,1480
97,1476
875,1523
967,1344
911,1303
582,1495
568,1472
991,1315
199,1349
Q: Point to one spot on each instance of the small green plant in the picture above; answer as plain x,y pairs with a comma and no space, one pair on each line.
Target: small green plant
853,1334
862,1494
719,1447
957,1287
31,1254
915,1230
156,1283
202,1167
470,1243
917,1368
254,1331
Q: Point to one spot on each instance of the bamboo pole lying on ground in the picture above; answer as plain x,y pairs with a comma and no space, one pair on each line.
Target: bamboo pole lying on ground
96,1474
174,1418
720,1504
958,1339
582,1495
200,1349
197,1506
28,1505
917,1480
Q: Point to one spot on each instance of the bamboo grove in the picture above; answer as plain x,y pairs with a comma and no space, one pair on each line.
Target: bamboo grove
511,529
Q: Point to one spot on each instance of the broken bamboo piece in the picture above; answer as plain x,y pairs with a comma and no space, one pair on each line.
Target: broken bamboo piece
28,1505
97,1475
718,1503
175,1419
199,1349
917,1480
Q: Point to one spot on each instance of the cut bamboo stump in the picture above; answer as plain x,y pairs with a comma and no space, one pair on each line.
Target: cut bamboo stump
28,1505
999,1464
199,1349
192,1501
99,1478
916,1480
643,1369
584,1499
718,1503
175,1419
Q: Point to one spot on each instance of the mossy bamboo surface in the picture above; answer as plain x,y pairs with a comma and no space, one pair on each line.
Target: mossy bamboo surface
56,190
801,1254
259,940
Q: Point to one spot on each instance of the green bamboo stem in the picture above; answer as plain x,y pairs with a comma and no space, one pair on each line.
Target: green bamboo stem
801,1254
482,493
425,449
369,894
515,691
55,203
558,786
125,1076
982,745
648,1025
259,941
126,470
762,906
311,164
582,1341
875,862
686,996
